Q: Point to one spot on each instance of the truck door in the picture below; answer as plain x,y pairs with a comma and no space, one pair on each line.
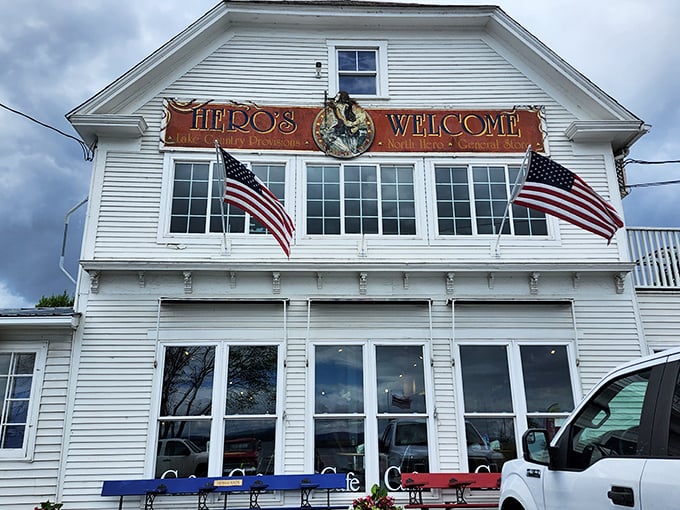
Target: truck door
660,485
603,450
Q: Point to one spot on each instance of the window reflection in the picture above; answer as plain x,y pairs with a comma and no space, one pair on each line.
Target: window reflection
251,381
182,448
490,442
187,381
403,448
249,447
400,379
547,384
486,379
339,444
339,386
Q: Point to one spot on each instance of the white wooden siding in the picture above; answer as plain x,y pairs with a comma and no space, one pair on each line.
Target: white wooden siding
660,314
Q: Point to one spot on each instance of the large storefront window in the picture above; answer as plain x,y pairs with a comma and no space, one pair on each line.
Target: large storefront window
188,406
493,402
392,408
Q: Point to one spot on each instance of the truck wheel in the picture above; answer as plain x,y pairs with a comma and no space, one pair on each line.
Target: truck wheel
511,504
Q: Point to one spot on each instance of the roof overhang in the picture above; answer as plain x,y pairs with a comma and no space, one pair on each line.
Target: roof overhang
92,127
621,134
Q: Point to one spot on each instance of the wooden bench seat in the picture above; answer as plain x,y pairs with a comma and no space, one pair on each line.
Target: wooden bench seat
416,483
253,485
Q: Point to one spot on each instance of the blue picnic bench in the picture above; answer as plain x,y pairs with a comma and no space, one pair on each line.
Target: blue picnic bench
253,485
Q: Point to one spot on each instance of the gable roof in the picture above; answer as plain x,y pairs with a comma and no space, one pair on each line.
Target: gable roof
111,111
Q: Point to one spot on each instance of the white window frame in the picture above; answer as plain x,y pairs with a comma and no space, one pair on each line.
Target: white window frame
380,47
370,414
27,451
519,412
219,394
418,198
508,239
164,236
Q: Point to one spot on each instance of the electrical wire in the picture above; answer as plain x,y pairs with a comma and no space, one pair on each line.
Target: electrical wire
643,162
88,151
651,184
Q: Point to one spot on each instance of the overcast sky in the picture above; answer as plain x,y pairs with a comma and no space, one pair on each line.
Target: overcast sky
54,55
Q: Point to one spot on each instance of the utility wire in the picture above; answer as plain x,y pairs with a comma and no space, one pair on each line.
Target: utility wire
88,151
643,162
650,184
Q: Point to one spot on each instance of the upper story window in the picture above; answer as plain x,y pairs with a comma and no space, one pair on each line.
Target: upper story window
197,206
358,68
19,392
471,200
360,199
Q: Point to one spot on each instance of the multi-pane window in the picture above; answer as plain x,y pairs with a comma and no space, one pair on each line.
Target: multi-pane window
492,402
472,200
189,406
16,386
360,199
347,407
197,206
358,71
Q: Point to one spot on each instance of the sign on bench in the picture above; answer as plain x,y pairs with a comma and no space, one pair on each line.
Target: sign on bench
253,485
416,483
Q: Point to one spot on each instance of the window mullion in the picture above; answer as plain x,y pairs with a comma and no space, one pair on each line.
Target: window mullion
473,204
341,192
378,194
508,193
218,410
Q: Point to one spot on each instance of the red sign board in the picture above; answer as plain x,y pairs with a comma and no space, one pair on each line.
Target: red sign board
249,126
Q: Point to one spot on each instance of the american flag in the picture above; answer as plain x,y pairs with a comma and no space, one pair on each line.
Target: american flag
244,190
551,188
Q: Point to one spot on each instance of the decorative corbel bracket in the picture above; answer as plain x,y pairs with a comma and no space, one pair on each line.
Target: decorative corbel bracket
491,277
188,282
620,282
232,279
141,280
404,277
533,282
94,281
450,280
363,283
276,283
319,281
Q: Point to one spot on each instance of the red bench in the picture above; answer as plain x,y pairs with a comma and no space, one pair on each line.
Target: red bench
416,483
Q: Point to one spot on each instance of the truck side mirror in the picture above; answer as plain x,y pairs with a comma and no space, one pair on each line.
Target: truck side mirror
535,445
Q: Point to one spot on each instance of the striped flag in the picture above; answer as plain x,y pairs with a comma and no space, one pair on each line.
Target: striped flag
244,190
551,188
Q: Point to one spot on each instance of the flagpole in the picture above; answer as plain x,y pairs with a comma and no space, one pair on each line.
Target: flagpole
223,179
520,177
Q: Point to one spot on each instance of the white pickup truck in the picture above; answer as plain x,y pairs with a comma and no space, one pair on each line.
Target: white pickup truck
620,448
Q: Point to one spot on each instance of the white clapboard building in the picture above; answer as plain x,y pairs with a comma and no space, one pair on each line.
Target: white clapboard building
401,333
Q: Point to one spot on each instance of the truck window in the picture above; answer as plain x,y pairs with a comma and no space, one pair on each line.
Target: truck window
608,425
674,429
